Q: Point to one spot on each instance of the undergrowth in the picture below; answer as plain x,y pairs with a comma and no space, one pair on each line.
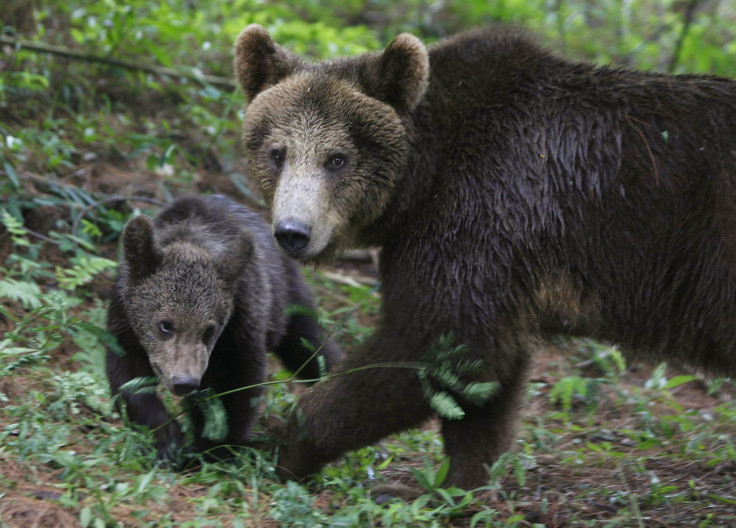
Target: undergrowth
633,450
86,145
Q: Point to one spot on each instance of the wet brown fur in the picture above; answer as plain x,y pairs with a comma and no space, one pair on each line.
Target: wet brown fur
207,261
517,195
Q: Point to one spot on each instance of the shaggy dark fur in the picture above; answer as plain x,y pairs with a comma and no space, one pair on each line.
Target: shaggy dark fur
520,195
201,295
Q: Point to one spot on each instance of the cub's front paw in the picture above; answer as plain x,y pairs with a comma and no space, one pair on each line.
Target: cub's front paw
169,443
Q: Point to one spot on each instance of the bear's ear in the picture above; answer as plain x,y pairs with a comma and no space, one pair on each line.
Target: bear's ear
140,250
260,62
400,75
231,264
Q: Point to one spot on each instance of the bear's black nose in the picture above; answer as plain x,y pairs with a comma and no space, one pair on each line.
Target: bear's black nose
292,235
184,385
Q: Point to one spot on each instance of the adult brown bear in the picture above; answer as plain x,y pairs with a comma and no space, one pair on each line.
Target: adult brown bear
516,195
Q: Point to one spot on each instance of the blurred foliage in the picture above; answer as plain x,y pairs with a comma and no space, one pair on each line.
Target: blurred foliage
57,112
199,34
79,103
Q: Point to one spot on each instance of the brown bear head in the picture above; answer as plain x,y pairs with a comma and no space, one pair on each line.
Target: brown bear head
327,142
178,300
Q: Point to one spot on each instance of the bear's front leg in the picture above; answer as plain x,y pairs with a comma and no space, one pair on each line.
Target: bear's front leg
297,357
142,409
237,365
149,411
357,406
128,362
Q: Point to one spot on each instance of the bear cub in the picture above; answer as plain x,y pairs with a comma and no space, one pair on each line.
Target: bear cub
201,294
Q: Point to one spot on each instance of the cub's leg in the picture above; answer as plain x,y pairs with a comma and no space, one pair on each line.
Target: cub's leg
142,409
235,363
297,357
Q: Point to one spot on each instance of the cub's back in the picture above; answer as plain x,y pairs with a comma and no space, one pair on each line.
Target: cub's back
213,223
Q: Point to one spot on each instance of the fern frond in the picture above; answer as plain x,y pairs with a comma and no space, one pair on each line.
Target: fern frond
145,385
446,406
564,390
83,271
15,227
479,392
27,293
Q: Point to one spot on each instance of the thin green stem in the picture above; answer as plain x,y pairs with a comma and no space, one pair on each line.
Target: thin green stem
293,379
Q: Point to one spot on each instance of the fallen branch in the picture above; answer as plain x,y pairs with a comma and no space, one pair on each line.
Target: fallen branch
61,51
113,199
105,198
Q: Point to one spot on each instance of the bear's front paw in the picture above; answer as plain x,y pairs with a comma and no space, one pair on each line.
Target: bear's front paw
271,436
275,427
289,465
169,442
298,457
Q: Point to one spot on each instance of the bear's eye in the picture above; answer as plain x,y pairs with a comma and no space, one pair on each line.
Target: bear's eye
166,328
336,161
209,333
278,157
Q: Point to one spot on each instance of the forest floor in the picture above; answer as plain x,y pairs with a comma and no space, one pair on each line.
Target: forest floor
601,444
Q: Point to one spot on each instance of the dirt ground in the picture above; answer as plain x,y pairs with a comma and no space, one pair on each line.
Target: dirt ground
552,491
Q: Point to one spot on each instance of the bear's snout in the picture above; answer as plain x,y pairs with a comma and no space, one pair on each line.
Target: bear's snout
183,385
292,235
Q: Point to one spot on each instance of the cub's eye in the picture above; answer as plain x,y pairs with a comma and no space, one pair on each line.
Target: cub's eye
209,333
166,328
278,157
336,161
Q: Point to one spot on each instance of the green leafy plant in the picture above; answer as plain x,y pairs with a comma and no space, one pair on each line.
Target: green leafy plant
447,365
80,138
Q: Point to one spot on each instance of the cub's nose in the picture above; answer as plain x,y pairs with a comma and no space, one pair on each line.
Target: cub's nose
184,385
292,235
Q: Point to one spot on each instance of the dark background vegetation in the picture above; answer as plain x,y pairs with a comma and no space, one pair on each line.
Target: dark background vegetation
108,107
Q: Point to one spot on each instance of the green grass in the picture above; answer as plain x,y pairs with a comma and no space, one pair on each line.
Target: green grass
83,146
602,444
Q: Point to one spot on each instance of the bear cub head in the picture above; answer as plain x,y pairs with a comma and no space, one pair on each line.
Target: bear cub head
327,142
178,299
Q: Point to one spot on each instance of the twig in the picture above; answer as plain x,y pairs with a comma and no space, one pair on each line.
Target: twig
689,12
40,180
61,51
633,499
357,255
110,199
42,237
355,282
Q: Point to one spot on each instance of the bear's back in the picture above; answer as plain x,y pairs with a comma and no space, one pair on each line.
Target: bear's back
213,223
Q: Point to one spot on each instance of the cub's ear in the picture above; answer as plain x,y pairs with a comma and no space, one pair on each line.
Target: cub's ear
259,62
231,264
399,76
140,251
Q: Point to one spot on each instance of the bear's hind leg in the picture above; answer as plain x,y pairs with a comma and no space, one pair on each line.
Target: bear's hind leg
485,433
